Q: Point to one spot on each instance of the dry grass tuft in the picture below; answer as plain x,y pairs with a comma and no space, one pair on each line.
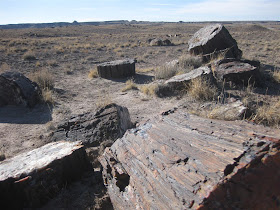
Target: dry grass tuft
130,85
166,71
93,74
268,114
29,56
201,89
149,89
46,83
189,63
276,75
103,100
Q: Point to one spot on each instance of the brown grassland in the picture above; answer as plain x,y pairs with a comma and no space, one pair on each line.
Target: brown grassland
63,61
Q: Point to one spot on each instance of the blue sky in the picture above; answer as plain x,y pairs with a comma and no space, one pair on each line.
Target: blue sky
43,11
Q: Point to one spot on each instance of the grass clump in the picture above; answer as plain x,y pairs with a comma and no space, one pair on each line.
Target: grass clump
45,81
130,85
276,75
201,89
93,74
190,62
149,89
268,114
29,56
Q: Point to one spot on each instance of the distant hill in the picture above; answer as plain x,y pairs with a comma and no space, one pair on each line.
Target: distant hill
62,24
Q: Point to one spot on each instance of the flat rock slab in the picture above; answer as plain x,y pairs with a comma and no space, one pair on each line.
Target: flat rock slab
237,71
117,69
213,39
31,179
16,89
181,161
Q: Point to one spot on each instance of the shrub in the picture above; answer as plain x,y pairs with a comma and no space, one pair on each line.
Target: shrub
29,56
149,89
166,71
268,114
190,62
201,89
276,75
130,85
93,74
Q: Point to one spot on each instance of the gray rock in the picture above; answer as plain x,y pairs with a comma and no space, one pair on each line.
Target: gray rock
237,71
16,89
179,82
117,69
108,123
212,40
30,179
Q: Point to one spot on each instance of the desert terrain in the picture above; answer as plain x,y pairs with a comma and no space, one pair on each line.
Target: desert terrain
69,56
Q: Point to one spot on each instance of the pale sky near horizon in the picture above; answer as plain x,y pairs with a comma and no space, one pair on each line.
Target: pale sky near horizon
46,11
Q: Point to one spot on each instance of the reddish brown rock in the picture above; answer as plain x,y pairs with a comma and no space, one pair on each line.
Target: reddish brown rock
237,71
181,161
212,40
31,179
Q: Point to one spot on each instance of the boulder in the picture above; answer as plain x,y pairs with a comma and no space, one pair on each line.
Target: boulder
237,71
30,179
181,161
231,111
159,42
212,40
117,69
177,83
16,89
96,130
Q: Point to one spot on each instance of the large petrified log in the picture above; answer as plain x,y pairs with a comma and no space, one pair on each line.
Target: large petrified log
237,71
31,179
96,130
117,69
108,123
212,40
16,89
180,161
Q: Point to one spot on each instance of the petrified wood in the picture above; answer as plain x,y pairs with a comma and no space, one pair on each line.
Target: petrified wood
117,69
212,40
16,89
237,71
31,179
181,161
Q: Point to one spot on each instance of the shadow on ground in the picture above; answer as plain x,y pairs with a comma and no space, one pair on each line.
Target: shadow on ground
137,78
40,114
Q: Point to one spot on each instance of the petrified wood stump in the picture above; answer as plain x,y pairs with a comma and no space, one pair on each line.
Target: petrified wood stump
16,89
212,40
117,69
237,71
181,161
31,179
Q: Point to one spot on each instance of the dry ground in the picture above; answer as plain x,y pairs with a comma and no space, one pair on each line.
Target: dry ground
70,53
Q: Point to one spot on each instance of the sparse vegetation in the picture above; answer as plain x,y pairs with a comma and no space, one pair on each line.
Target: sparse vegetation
93,74
276,75
29,56
268,114
201,89
149,89
130,85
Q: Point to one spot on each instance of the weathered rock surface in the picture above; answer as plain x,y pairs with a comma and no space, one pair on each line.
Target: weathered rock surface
180,161
231,111
213,38
175,84
16,89
108,123
237,71
31,179
117,69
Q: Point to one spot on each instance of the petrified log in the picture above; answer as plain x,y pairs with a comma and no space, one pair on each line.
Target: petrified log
237,71
16,89
31,179
211,40
176,84
96,130
180,161
92,128
117,69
